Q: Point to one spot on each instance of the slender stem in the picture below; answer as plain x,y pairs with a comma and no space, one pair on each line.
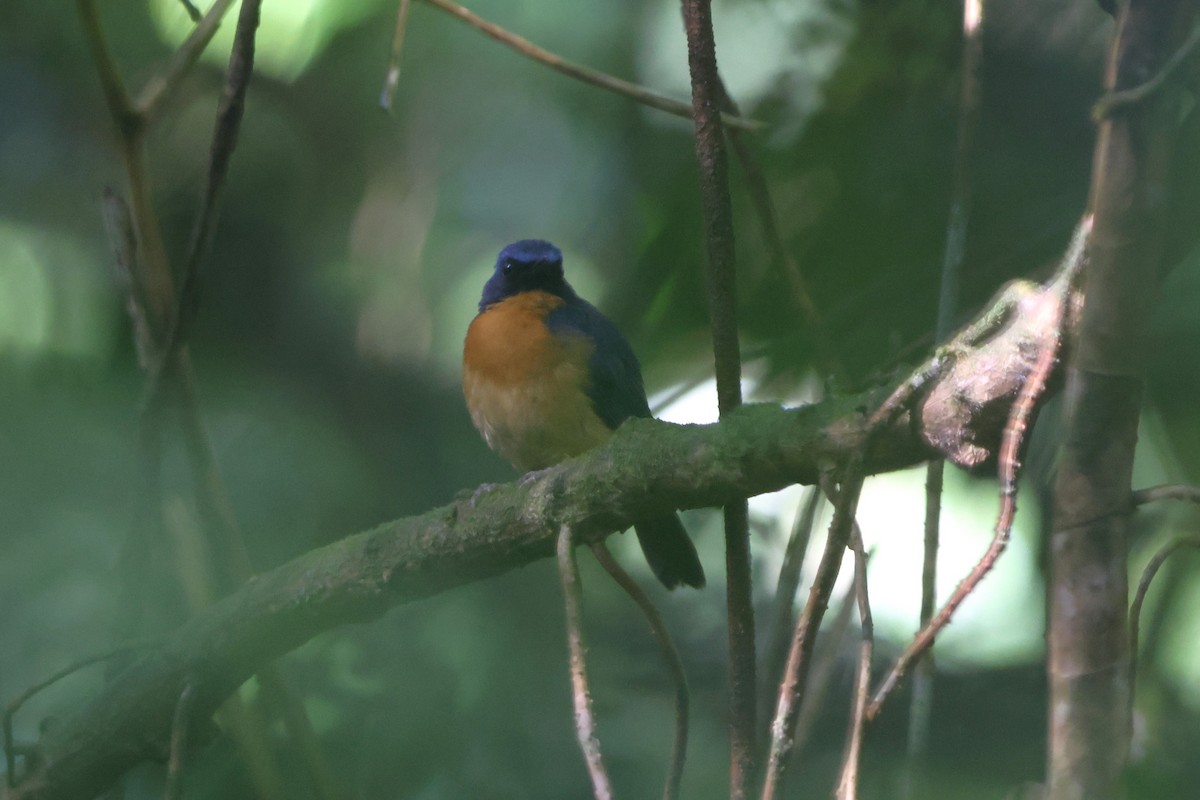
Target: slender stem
1139,597
585,720
921,706
764,209
224,141
848,783
670,655
827,663
795,677
162,88
15,704
1184,493
1116,100
722,303
181,723
783,616
392,81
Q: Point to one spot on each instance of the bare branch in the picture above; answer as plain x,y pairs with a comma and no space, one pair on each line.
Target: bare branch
224,140
795,679
670,655
181,723
585,721
15,704
1139,597
193,13
1019,419
1087,641
392,81
161,88
579,72
647,467
1115,101
783,617
848,783
721,274
1187,494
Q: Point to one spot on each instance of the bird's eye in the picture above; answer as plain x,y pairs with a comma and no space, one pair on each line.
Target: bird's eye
507,267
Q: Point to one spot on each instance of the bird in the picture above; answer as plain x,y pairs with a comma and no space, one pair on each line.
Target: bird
547,376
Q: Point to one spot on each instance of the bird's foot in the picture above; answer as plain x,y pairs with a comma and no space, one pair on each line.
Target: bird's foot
472,496
532,475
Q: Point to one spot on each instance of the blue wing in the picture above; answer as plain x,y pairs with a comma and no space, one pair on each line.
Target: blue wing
616,389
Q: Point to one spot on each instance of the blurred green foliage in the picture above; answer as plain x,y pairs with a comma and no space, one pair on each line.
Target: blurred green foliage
347,263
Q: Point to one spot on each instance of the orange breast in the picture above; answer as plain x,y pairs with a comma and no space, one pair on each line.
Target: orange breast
526,389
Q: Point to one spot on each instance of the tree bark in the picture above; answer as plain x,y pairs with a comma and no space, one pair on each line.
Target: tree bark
1088,633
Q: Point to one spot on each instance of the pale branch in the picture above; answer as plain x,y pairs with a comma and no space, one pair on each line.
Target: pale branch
794,685
392,82
161,88
1187,494
670,654
847,788
581,693
181,723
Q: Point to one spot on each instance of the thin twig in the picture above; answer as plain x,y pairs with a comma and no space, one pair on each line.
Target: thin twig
1019,418
1182,492
192,12
795,678
670,655
960,198
848,783
181,723
764,209
224,141
161,88
783,617
721,284
117,97
1139,597
1120,99
585,721
152,300
392,81
118,225
15,704
586,74
921,704
825,661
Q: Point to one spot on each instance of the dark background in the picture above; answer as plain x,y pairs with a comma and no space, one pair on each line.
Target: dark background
347,263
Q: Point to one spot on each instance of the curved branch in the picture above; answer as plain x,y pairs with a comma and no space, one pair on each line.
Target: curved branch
648,466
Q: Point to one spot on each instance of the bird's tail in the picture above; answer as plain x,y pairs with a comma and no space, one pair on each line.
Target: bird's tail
670,552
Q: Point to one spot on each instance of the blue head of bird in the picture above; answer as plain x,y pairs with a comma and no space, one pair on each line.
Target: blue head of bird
524,266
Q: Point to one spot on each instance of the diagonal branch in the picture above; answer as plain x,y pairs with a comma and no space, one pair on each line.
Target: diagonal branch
647,467
577,71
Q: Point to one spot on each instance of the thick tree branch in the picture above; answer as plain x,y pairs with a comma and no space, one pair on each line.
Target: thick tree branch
648,466
1087,642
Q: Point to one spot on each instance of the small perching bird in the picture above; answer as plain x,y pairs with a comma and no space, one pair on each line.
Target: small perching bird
547,376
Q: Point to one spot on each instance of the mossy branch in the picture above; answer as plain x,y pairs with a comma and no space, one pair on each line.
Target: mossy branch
647,467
